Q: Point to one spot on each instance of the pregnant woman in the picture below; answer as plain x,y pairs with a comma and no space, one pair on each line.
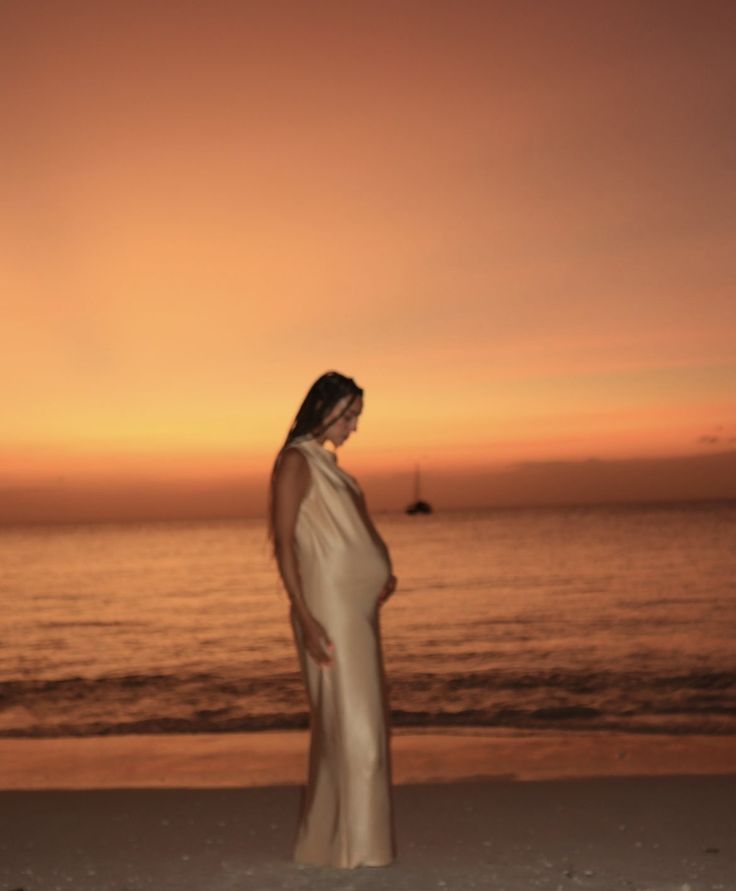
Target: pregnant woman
337,572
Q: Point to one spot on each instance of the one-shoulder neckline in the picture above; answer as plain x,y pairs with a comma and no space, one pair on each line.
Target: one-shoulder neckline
316,445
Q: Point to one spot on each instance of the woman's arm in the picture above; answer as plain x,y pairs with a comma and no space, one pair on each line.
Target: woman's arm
291,482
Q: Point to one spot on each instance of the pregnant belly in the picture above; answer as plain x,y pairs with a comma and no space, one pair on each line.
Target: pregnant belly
356,575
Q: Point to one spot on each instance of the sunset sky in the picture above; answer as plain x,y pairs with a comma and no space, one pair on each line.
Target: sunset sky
513,223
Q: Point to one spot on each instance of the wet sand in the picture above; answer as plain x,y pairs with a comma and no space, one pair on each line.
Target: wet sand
167,813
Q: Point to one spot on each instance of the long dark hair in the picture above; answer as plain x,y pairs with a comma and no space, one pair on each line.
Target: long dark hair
321,398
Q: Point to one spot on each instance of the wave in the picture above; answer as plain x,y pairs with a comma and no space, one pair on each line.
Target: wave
87,623
558,720
680,702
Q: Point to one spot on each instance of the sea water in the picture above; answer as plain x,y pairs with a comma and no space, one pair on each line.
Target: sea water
600,618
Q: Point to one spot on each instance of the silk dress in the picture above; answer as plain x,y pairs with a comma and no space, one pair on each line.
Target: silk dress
346,818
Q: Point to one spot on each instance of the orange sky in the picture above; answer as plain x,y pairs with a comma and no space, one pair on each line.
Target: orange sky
513,223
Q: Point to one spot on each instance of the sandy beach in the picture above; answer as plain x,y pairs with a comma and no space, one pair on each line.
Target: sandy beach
472,811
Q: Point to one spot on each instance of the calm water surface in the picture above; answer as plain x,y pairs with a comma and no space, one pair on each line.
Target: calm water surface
598,618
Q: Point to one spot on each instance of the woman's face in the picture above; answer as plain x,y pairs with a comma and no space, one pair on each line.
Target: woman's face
342,423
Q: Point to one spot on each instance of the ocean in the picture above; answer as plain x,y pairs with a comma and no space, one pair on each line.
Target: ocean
598,618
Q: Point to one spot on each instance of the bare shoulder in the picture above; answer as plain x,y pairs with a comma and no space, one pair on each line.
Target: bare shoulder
291,483
292,468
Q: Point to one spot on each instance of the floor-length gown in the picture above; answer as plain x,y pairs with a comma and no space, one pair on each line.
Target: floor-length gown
346,817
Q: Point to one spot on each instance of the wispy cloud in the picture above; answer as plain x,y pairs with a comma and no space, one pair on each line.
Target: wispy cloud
723,434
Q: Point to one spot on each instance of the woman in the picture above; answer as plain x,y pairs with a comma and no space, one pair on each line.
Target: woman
337,571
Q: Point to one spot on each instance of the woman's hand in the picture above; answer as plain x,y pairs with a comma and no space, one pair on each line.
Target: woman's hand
388,590
316,640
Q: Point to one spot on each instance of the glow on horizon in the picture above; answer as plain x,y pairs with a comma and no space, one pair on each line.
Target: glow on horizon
522,249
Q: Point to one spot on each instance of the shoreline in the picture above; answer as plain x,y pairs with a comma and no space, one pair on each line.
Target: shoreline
278,758
506,812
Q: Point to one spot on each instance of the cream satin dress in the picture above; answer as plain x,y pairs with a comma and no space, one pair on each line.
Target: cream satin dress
346,818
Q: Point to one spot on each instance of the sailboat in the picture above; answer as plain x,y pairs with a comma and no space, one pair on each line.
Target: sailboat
418,506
